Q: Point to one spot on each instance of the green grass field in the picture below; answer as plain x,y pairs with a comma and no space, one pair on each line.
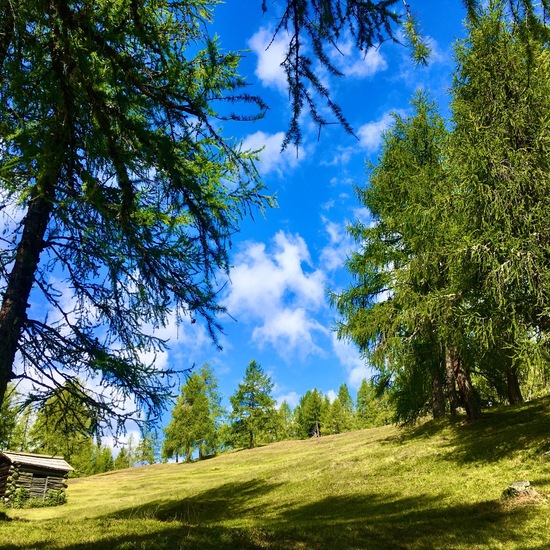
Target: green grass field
435,486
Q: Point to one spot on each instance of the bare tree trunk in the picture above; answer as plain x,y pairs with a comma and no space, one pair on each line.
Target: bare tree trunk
466,389
20,281
251,442
438,398
450,382
316,430
514,390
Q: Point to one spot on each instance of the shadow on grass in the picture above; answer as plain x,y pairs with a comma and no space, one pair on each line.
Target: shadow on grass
228,500
500,433
348,523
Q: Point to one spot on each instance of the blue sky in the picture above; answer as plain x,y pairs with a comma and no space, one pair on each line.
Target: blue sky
284,262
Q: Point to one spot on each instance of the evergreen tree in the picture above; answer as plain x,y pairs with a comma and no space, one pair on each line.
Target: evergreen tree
192,423
65,426
147,449
21,436
103,460
129,191
309,413
217,412
253,407
334,419
372,410
450,281
284,425
397,309
499,157
116,158
122,460
9,413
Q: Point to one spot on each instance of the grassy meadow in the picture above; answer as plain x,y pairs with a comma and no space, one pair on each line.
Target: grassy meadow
438,485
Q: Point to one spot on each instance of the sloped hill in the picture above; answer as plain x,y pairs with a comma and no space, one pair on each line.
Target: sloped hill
436,486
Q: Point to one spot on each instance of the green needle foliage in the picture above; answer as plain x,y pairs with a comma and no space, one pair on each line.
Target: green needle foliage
253,412
314,28
194,418
451,278
119,192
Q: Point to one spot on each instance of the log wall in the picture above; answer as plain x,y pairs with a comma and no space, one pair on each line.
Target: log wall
37,481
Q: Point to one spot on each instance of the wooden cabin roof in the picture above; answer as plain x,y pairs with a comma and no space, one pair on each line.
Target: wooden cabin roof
39,461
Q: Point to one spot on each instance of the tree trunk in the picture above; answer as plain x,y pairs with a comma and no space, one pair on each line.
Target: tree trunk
20,281
438,398
466,389
251,442
450,382
514,390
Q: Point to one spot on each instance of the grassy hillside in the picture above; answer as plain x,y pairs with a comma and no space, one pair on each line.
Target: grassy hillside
435,486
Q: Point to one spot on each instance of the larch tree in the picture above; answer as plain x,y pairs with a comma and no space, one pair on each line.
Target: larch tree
398,310
372,407
119,194
64,426
9,414
192,423
253,407
499,157
309,413
450,279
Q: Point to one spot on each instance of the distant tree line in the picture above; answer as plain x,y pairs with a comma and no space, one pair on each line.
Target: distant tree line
199,426
64,426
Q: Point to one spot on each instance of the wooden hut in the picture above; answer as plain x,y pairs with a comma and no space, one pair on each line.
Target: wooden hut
38,474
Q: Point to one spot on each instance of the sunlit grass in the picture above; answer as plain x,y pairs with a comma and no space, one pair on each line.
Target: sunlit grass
436,486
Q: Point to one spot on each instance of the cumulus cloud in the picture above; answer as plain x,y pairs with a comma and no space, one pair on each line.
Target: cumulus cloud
272,159
292,399
332,395
370,140
370,134
339,247
271,53
272,289
364,65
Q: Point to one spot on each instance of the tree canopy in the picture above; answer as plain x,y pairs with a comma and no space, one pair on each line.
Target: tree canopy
253,407
122,192
448,280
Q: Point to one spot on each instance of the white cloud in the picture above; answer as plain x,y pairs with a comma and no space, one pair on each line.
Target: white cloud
294,326
271,53
272,290
332,395
292,398
365,65
271,156
370,134
339,248
370,140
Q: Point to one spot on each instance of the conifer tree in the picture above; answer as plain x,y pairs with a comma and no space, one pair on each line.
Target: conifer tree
9,413
253,407
110,148
310,412
499,157
125,188
283,423
192,422
65,426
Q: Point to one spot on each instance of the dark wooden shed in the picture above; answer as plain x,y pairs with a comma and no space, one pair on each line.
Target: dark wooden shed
38,474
